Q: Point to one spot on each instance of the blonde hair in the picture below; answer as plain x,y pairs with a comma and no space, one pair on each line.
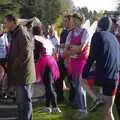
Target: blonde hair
78,18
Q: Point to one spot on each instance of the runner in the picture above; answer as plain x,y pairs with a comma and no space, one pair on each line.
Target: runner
116,30
106,52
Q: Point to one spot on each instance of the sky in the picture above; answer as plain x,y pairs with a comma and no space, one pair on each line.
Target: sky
97,4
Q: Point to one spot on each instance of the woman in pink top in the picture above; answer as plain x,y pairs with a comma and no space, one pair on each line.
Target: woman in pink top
76,53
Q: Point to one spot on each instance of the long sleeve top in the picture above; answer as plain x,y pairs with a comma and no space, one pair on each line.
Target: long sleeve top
105,50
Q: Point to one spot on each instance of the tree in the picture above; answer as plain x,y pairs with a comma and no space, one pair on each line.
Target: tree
8,6
46,10
66,5
52,11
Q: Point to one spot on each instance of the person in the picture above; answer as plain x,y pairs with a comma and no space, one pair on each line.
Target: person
116,31
4,48
21,68
76,52
47,71
61,63
54,41
105,51
48,44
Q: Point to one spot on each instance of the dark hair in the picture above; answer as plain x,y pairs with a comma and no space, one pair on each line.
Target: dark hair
105,24
11,17
37,30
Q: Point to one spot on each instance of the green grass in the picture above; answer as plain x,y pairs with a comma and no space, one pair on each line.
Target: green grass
67,113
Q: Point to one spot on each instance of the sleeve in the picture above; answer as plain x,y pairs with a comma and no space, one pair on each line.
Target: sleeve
91,58
6,41
85,37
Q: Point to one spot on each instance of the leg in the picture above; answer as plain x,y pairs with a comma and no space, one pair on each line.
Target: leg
72,90
117,103
49,87
59,83
108,106
53,96
109,92
97,101
85,85
24,102
80,95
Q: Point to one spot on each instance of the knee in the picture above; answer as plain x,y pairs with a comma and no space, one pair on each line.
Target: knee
107,109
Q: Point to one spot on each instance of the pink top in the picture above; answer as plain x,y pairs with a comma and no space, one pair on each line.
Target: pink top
77,37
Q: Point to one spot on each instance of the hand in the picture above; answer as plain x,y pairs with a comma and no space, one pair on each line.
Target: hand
69,53
75,48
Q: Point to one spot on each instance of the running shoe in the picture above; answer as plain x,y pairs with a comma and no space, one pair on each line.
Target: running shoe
96,104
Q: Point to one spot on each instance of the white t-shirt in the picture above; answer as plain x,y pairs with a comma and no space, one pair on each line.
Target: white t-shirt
46,43
54,41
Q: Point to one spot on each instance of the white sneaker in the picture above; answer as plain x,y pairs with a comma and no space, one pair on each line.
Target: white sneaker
56,110
47,109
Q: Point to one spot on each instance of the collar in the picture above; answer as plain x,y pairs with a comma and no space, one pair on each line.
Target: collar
13,33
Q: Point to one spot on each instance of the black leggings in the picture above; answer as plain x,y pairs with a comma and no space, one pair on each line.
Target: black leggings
51,97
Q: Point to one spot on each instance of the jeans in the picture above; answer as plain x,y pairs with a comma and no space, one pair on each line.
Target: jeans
24,102
77,95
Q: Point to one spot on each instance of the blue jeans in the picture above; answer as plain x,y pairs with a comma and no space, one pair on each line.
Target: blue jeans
24,102
77,95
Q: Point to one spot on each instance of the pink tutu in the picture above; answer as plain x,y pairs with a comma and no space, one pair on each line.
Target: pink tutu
46,61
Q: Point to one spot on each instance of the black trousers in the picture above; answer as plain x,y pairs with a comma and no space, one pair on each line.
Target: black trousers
51,97
59,83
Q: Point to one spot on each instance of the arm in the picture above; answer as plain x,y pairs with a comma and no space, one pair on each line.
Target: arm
84,43
91,58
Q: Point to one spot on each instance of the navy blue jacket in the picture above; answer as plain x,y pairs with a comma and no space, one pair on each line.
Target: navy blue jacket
105,50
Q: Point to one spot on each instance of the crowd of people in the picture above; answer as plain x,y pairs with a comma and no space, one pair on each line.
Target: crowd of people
30,54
